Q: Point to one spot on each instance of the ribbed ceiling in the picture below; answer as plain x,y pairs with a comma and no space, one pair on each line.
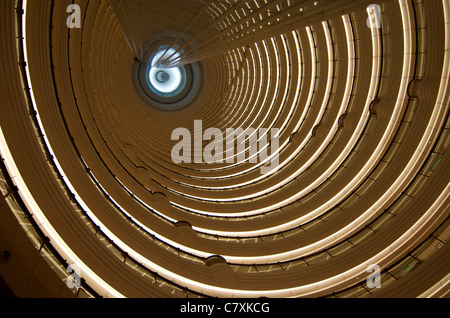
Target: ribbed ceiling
362,177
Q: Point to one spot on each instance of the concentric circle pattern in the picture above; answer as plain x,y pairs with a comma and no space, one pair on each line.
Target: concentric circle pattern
358,92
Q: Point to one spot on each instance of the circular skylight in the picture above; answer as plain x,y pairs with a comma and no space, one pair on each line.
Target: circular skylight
166,87
165,80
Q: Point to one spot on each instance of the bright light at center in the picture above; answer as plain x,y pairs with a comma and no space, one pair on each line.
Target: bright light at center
174,73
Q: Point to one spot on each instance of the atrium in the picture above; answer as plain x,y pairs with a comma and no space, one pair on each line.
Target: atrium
93,205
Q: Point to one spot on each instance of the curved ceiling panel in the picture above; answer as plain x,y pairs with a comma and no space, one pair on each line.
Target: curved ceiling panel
300,143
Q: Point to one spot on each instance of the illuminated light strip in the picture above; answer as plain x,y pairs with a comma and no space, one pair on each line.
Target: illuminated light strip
327,93
236,89
248,89
90,277
161,238
238,96
436,288
289,83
